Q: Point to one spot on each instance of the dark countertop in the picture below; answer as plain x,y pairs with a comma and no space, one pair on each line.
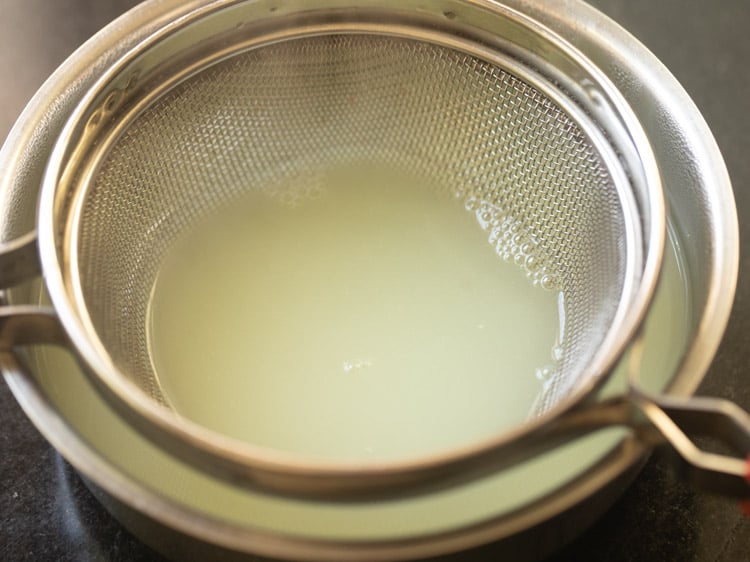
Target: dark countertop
47,514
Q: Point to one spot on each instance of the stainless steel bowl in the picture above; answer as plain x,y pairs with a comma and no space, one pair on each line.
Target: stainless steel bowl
701,211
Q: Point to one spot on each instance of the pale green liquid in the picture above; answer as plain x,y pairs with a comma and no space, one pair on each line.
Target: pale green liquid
121,446
370,320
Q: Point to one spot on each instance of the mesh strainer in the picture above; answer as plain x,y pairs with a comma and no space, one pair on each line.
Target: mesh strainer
252,96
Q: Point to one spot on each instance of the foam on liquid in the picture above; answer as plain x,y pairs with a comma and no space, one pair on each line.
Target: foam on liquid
371,320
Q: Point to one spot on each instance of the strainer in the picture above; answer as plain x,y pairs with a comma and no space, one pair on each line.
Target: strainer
240,97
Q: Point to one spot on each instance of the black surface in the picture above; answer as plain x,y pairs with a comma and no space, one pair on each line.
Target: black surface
47,514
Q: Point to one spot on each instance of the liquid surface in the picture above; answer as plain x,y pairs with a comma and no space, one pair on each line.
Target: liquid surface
369,319
117,443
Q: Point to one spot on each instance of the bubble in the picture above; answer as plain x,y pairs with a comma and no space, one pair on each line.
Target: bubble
544,373
547,282
494,236
351,366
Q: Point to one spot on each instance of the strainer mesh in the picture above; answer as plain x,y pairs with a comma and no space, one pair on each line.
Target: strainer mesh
276,115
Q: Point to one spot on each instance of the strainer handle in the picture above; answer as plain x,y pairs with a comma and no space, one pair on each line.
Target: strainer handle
25,324
679,420
19,260
673,420
29,324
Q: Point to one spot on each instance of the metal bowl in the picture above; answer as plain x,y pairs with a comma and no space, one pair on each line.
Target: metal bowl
704,226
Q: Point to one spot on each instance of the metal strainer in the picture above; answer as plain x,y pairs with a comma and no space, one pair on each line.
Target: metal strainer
248,96
270,118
